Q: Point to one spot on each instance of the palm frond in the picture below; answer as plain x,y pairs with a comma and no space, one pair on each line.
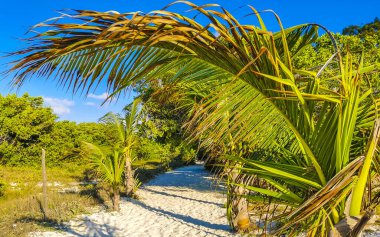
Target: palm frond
245,89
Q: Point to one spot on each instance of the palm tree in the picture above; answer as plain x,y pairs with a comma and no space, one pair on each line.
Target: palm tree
312,142
110,169
127,139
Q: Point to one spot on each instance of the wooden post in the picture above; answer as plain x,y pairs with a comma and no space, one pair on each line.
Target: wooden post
44,184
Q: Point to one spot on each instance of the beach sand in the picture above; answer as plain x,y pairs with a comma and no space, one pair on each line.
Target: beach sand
182,202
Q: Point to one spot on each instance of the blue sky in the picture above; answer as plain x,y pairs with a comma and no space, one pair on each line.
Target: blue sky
17,16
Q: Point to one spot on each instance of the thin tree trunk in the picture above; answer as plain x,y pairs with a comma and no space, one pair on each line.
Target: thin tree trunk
359,227
129,181
116,199
240,218
369,213
240,209
354,226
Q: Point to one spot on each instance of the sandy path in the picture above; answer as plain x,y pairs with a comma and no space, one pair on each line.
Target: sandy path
179,203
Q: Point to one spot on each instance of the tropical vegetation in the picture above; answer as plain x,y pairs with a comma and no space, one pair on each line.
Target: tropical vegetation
26,126
110,168
298,138
126,128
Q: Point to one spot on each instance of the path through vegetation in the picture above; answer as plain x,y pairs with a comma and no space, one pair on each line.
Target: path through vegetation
183,202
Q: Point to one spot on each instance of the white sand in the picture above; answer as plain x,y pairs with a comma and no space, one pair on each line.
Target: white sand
179,203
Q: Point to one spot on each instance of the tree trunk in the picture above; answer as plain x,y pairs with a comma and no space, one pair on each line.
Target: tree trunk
354,226
116,199
359,227
129,181
240,217
344,227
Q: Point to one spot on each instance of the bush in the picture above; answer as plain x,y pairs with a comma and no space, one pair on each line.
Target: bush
152,150
165,153
188,155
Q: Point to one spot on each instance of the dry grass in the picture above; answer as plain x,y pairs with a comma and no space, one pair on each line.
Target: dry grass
22,215
20,207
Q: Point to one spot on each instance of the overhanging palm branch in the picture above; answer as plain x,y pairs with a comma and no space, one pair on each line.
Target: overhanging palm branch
257,83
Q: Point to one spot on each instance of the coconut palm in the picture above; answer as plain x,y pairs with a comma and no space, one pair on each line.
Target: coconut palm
126,128
109,167
312,143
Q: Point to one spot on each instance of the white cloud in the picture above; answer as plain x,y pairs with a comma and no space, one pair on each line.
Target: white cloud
98,97
91,104
59,106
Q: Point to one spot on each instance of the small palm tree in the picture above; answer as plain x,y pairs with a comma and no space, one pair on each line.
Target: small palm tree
127,139
110,168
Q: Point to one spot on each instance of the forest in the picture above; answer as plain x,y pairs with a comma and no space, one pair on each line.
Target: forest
27,126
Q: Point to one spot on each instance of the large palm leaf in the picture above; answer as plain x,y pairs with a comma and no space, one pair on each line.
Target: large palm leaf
258,87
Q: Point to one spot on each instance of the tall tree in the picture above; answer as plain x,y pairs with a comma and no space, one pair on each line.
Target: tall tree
367,29
162,117
23,123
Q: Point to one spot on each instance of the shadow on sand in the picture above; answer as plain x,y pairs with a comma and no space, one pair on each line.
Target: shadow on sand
186,220
186,177
87,227
183,197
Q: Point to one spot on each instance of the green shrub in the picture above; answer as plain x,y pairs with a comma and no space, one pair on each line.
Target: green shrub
188,154
152,150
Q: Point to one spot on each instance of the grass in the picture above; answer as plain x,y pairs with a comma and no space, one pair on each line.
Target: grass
23,214
20,208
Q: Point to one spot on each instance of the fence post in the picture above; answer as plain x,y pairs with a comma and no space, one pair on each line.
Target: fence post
44,184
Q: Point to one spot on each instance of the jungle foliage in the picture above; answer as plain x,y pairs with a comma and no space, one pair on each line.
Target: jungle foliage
26,126
371,28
